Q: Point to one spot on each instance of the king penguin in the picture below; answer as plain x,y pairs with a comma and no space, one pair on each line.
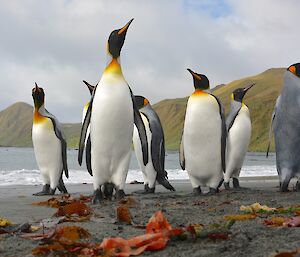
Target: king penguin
107,188
111,115
286,128
203,143
238,124
155,169
49,144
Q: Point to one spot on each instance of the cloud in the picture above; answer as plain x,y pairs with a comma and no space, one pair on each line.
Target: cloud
59,43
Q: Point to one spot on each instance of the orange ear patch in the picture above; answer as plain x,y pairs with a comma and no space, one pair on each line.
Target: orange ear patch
146,101
292,69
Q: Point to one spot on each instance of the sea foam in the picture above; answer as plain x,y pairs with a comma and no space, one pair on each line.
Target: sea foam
33,177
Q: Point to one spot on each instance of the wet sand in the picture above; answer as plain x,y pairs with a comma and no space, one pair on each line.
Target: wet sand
247,238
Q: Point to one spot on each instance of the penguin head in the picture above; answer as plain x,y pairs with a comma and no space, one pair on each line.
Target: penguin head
200,81
116,40
239,93
295,69
140,101
89,86
38,96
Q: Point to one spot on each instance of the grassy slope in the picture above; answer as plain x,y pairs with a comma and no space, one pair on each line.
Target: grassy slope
16,124
16,120
260,100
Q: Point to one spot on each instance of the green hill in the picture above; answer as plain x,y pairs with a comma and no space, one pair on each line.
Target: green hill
16,124
260,100
16,120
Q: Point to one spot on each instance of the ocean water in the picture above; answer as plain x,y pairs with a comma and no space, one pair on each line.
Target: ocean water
18,167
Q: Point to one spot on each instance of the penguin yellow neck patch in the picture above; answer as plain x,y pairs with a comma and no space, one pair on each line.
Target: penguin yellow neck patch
86,106
114,67
199,93
38,118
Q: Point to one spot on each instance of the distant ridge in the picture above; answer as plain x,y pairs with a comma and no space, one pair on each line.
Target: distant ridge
16,120
260,100
16,124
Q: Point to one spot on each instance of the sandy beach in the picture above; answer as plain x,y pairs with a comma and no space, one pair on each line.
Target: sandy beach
246,238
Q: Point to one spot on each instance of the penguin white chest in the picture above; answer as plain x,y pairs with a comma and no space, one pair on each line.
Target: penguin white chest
111,128
47,147
241,128
202,138
238,140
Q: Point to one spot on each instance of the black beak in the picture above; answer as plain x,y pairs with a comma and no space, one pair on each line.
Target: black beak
194,74
37,87
248,87
190,71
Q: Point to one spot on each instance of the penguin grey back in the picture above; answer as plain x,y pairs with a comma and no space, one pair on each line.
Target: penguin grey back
235,107
286,128
158,140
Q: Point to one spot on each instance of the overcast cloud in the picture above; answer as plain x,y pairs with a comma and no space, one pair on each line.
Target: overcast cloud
59,43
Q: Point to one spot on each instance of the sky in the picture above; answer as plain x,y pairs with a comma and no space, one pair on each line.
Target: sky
59,43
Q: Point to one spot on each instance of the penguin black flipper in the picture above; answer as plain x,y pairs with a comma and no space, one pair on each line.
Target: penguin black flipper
141,129
157,146
89,86
271,125
181,153
84,128
88,155
157,151
59,135
224,133
235,107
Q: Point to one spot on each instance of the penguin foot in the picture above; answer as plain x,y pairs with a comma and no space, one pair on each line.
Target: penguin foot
236,183
284,186
226,185
120,194
45,191
144,192
212,191
98,197
197,190
108,190
147,190
52,191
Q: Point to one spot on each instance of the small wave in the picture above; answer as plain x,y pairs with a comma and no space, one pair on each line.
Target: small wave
33,177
